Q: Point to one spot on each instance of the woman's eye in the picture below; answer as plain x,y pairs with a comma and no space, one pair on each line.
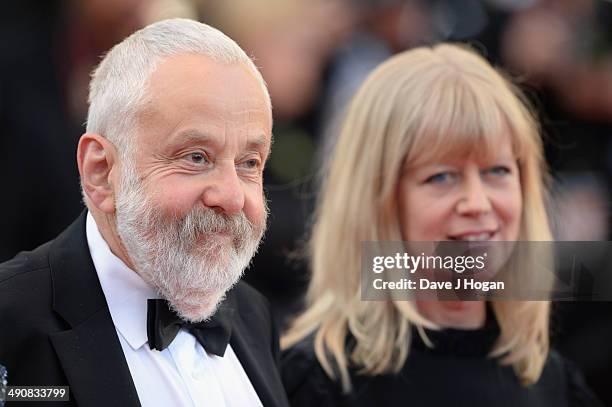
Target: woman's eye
440,178
498,170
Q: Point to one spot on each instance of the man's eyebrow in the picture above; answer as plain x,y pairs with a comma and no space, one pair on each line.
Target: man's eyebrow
198,136
257,141
194,135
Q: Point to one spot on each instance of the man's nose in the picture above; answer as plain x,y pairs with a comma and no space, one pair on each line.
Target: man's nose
474,199
225,192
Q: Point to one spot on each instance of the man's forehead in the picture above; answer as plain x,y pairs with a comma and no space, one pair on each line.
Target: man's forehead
249,109
251,121
232,102
193,71
244,107
193,96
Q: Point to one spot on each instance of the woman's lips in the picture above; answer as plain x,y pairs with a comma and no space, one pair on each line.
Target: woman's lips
475,236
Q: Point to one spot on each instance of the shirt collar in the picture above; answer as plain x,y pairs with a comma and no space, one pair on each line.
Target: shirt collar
125,291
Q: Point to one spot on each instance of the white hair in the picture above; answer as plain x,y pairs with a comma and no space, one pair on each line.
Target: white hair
118,85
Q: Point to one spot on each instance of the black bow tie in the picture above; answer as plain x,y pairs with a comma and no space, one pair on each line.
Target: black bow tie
163,325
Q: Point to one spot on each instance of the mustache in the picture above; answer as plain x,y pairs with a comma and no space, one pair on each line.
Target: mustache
204,221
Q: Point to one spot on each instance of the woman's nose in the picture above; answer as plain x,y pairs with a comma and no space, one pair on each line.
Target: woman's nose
474,199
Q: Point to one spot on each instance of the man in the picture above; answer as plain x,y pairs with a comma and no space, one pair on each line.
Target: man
138,302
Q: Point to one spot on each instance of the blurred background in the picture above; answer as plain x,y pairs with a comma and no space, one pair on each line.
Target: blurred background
314,54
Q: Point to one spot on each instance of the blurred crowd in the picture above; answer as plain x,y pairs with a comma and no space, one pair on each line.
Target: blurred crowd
313,55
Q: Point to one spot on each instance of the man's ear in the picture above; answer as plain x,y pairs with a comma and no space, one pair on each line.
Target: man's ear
96,157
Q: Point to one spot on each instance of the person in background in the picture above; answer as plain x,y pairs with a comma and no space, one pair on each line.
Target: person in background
437,145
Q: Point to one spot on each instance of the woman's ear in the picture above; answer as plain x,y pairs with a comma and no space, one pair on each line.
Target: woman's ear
96,157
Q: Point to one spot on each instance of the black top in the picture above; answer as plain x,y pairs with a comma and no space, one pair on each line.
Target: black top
456,372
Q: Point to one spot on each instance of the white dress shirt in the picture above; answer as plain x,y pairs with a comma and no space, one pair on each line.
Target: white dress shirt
183,374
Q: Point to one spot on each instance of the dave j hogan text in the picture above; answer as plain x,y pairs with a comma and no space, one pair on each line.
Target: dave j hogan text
426,284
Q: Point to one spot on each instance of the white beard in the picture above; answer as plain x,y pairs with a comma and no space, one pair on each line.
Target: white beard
185,259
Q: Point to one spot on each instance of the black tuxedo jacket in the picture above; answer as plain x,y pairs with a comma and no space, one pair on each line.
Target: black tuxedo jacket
56,329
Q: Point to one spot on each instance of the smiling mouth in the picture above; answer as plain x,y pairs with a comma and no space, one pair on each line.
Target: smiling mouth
474,236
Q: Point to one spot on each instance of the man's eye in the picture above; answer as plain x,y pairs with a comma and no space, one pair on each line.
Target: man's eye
197,158
441,177
250,164
253,163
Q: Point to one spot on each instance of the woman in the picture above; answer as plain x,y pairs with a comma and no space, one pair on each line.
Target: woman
437,145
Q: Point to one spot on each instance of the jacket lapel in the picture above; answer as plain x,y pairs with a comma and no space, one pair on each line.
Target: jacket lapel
258,362
89,352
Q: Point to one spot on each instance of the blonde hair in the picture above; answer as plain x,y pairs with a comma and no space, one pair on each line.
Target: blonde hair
419,104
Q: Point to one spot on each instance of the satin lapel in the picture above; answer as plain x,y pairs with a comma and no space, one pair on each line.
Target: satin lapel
258,363
256,366
94,364
90,352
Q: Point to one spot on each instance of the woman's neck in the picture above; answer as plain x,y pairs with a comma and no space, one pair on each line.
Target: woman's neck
454,314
